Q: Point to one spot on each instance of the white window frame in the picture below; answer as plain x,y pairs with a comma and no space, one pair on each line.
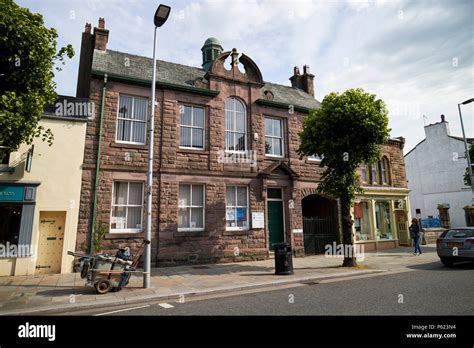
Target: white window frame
126,230
314,158
186,126
282,145
193,229
237,228
384,171
375,174
233,130
366,169
132,120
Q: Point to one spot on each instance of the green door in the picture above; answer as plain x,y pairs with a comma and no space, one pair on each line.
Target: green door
275,222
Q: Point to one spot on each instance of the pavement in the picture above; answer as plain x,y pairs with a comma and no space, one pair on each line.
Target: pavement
432,289
67,292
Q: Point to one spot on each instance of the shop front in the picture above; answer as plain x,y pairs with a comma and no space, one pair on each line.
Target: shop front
17,209
381,219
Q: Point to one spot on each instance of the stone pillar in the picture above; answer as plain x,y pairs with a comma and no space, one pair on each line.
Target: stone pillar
444,215
393,223
373,219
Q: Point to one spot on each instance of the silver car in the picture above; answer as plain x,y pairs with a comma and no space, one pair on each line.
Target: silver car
456,245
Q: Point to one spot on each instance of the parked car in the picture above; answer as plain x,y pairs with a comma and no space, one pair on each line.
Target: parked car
456,245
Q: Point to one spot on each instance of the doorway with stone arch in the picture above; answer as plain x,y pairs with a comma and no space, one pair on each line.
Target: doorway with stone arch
320,223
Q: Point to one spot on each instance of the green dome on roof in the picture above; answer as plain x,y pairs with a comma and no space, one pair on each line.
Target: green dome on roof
212,40
210,51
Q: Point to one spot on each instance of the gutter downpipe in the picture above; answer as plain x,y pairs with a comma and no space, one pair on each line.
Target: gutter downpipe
97,166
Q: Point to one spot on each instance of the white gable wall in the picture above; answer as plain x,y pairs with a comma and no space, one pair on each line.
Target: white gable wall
435,174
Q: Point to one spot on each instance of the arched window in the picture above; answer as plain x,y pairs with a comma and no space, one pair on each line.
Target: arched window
363,173
384,171
235,125
374,173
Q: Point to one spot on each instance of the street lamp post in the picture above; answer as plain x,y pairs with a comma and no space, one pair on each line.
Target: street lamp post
161,15
469,165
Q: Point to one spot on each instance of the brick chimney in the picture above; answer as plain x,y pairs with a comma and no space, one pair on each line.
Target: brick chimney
308,81
85,63
90,41
101,36
304,82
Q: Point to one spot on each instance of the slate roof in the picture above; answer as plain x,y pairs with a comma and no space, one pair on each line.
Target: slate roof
139,67
468,140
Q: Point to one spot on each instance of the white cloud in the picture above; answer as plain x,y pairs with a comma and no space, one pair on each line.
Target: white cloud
401,50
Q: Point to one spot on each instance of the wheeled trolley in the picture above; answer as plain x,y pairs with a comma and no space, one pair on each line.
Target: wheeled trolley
106,272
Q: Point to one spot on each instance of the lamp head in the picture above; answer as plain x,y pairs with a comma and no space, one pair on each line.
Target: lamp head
161,15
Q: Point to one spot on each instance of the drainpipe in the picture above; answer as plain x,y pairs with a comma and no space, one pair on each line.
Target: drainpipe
97,166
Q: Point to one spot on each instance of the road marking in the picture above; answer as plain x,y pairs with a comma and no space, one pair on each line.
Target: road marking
165,305
121,310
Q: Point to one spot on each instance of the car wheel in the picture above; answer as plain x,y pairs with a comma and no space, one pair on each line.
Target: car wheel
103,286
447,262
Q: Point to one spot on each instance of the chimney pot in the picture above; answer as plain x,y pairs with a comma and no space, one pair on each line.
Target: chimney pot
87,28
305,69
442,118
296,70
101,36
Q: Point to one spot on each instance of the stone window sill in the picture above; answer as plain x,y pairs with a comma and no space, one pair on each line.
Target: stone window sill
276,158
314,162
179,234
124,235
238,233
196,151
129,146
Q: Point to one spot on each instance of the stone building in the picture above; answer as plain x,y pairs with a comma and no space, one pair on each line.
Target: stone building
228,182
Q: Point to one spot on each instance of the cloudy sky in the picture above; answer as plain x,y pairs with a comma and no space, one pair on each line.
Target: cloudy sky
418,56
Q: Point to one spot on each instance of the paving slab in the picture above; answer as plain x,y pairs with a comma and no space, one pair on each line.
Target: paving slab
37,294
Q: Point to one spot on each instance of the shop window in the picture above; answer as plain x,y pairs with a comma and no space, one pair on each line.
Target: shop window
383,220
10,222
191,207
362,221
237,208
127,207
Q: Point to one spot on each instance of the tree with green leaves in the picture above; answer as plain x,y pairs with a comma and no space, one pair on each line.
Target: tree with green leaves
346,131
27,62
467,179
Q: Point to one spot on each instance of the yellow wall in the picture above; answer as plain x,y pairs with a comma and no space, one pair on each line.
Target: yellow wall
58,169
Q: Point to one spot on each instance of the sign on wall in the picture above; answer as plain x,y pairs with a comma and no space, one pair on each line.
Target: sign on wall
11,193
258,220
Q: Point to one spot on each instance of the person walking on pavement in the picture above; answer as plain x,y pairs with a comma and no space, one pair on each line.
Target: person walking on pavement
415,235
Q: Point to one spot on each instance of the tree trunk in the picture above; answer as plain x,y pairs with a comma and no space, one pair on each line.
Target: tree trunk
347,237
